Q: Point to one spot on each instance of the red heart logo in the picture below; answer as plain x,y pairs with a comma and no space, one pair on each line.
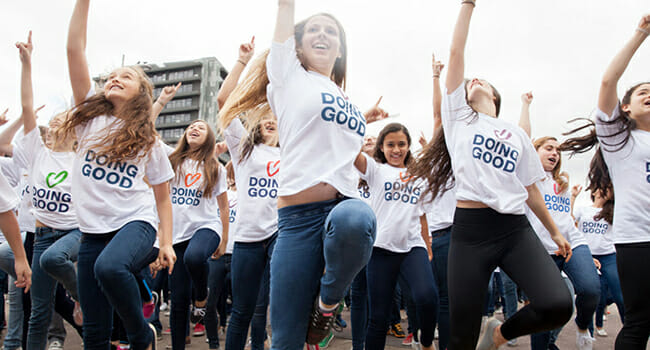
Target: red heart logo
272,168
191,179
557,189
405,177
503,134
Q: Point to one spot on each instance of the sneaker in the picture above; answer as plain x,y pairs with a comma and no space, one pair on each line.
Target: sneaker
326,342
55,345
601,332
197,313
512,342
199,330
408,340
164,306
77,315
340,322
154,343
487,342
320,324
167,331
396,331
436,334
148,308
584,341
123,347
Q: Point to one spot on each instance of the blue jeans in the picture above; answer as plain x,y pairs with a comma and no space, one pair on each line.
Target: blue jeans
54,254
249,262
440,249
334,236
609,282
511,299
359,310
584,278
106,280
219,270
384,269
13,339
258,323
190,271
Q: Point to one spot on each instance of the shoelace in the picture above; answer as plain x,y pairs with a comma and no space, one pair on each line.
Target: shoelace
199,311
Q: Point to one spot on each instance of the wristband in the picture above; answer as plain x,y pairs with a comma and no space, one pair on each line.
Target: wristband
645,31
471,2
242,62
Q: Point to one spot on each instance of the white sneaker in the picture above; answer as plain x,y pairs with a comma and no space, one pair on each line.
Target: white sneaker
601,332
55,345
164,306
512,342
584,341
487,341
436,334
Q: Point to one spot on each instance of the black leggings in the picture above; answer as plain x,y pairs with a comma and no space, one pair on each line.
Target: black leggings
481,240
633,262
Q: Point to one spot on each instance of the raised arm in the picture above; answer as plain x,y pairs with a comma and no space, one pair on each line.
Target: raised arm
26,92
524,118
166,95
437,67
456,70
285,21
607,97
76,47
246,52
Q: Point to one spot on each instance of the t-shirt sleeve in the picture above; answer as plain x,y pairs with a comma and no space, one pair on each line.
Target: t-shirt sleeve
577,214
10,171
282,60
28,147
609,133
371,169
529,167
454,106
222,184
166,148
233,134
8,197
158,167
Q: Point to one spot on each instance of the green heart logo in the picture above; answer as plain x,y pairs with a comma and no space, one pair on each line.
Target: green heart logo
58,178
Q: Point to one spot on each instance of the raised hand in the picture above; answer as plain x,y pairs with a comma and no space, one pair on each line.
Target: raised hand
167,93
575,191
375,113
220,148
422,140
527,98
25,49
246,51
436,66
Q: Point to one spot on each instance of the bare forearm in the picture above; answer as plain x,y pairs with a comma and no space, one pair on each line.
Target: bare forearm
524,119
456,72
437,103
284,21
230,83
607,98
76,47
27,97
11,231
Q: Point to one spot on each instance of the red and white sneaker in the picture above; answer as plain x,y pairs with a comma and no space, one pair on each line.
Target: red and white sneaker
199,330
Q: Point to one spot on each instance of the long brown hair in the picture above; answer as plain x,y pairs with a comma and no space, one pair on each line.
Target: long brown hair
248,102
560,177
598,171
339,73
204,154
133,138
599,180
434,162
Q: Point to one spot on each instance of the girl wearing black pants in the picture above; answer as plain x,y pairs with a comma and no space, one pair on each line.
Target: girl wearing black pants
623,130
490,228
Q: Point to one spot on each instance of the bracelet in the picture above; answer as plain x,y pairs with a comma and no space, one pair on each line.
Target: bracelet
643,31
436,76
471,2
242,62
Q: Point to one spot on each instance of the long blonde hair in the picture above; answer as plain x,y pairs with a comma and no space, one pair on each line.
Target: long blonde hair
248,102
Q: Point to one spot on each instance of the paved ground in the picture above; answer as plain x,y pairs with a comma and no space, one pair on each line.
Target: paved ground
343,341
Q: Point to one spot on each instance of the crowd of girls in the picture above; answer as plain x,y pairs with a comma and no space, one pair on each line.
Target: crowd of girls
283,226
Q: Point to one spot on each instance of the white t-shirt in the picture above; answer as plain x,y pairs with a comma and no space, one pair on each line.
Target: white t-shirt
397,206
321,131
598,233
442,211
493,160
629,169
559,206
257,184
8,198
191,210
109,195
49,181
19,180
232,204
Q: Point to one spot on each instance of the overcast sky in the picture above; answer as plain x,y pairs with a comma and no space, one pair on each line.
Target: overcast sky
556,48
